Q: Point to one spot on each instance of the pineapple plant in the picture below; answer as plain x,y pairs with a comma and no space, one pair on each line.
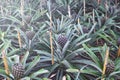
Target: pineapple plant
64,57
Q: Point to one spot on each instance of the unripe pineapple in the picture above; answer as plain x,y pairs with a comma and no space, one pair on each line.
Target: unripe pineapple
109,68
62,40
18,70
30,34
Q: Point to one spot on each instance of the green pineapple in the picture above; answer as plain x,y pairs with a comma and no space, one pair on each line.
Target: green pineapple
62,39
18,70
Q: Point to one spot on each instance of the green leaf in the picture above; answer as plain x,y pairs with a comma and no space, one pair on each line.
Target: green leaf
39,72
26,78
72,70
114,73
68,77
92,55
88,62
12,52
83,41
25,58
45,79
54,66
91,30
6,44
32,64
65,47
72,54
78,39
2,72
66,63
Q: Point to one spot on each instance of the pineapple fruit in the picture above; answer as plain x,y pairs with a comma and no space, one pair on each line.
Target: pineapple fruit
62,39
109,68
18,70
30,34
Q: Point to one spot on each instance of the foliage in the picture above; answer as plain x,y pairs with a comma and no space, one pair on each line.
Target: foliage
90,27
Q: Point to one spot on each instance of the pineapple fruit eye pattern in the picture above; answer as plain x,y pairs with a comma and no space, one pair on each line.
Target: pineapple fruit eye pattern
110,68
30,34
60,40
18,70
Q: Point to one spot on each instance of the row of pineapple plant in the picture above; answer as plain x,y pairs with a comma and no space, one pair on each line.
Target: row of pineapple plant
81,35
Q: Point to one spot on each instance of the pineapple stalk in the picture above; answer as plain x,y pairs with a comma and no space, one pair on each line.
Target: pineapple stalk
78,21
115,2
99,1
51,44
22,23
1,10
22,11
93,17
106,6
118,54
78,24
105,63
118,43
84,7
50,33
5,63
19,39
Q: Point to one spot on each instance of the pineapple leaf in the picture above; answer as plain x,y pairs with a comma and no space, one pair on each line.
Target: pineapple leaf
72,70
25,58
32,64
92,55
39,72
